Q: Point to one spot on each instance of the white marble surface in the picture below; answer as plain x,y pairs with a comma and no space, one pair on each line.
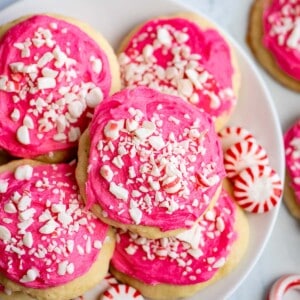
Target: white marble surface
281,255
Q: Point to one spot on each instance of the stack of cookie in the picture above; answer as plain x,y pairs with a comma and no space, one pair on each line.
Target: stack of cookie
51,246
149,162
151,165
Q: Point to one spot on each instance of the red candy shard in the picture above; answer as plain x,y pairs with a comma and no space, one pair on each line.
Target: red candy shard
243,155
234,134
257,189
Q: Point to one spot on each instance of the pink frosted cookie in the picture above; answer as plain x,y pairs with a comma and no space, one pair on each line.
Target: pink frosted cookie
154,162
186,262
51,246
292,159
274,37
183,55
56,71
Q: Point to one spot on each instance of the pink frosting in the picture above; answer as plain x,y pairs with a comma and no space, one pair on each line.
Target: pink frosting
189,258
292,157
281,21
154,160
177,57
47,237
49,85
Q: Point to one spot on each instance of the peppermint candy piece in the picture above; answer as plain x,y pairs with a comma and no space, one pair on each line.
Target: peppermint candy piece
110,279
234,134
243,155
283,285
257,189
121,292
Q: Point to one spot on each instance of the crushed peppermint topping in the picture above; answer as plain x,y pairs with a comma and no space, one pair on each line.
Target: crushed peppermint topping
195,254
163,166
54,96
147,166
160,56
284,24
41,221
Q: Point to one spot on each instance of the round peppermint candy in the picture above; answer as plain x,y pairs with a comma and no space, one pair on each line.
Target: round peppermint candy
234,134
121,292
257,189
243,155
283,285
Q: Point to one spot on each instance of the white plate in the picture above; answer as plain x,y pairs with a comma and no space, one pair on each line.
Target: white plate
255,111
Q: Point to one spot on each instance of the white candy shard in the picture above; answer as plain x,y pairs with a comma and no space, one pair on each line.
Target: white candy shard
24,203
164,37
157,142
17,67
46,58
62,268
94,97
15,115
118,191
28,239
10,208
136,214
96,65
147,129
107,173
192,236
293,40
47,72
3,186
75,109
5,234
49,227
28,122
23,172
46,83
111,130
31,275
23,135
131,125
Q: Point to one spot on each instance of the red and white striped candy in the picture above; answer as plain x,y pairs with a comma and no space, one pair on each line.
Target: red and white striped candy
283,285
243,155
121,292
234,134
257,189
110,279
